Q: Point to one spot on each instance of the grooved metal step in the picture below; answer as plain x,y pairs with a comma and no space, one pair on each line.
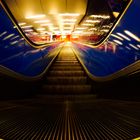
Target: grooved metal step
65,89
66,68
64,61
67,80
66,73
66,64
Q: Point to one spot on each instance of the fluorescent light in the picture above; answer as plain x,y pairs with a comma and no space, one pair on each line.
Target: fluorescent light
46,24
29,26
105,30
35,16
93,21
118,42
101,16
125,37
70,14
117,37
106,26
87,24
93,29
21,24
30,30
133,46
41,21
132,35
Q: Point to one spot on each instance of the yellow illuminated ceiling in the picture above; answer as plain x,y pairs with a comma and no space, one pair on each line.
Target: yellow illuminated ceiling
48,16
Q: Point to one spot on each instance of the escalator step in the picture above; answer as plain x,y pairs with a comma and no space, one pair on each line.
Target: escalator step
66,73
67,80
66,61
63,89
66,64
66,68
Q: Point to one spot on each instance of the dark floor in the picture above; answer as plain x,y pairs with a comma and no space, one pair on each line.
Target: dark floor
69,118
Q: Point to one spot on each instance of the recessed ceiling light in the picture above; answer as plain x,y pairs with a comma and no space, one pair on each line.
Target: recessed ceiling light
101,16
21,24
29,26
35,16
41,21
93,21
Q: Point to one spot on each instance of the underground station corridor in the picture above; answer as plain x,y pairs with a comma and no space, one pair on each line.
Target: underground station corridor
69,70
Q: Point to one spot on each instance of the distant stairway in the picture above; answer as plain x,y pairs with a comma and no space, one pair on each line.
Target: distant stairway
66,75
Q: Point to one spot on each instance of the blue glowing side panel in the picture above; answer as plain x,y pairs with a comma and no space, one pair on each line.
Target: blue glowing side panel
16,54
120,50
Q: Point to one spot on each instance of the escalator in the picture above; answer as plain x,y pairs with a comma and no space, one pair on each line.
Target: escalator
66,75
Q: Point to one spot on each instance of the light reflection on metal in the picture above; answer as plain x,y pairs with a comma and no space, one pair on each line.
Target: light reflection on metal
116,36
9,36
13,43
138,46
132,35
133,46
5,32
15,37
124,36
128,48
118,42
